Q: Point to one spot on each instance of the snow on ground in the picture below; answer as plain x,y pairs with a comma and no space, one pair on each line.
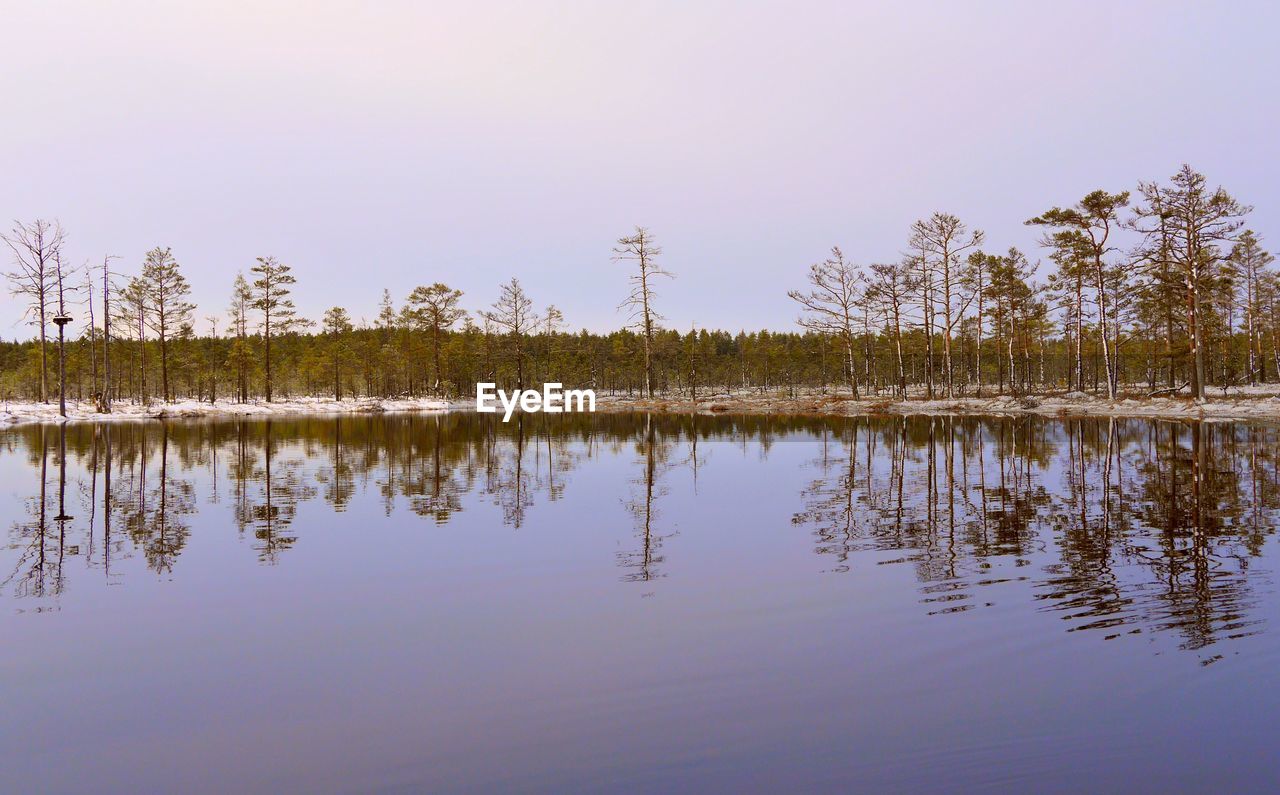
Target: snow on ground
12,413
1244,403
1258,402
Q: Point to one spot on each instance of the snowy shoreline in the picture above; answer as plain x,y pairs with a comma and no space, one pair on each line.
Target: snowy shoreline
1245,403
18,413
1257,403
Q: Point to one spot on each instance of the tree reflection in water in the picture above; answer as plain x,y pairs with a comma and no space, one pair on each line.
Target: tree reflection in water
1147,524
654,453
1116,526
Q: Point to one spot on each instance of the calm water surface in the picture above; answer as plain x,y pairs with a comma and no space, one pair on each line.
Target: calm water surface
634,603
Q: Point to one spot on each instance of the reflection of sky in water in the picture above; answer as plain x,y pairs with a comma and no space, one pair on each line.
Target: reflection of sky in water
587,609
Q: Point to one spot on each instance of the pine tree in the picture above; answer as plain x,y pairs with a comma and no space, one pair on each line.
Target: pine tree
1188,224
336,326
513,314
241,357
271,297
1085,230
435,310
167,290
1249,261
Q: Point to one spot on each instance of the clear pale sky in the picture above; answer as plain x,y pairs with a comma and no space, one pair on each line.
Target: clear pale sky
385,144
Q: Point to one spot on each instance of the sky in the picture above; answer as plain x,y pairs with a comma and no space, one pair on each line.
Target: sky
383,145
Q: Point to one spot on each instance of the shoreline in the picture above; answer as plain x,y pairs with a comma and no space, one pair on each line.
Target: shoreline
1252,405
1244,404
15,413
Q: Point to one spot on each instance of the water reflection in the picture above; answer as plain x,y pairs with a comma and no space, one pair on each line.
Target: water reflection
1114,526
653,454
1122,525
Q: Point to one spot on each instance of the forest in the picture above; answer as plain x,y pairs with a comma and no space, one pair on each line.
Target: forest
1159,290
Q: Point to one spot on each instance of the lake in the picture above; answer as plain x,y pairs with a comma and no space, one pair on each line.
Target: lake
634,603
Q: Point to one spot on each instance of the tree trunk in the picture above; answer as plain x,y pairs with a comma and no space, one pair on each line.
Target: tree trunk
44,358
977,365
266,342
164,365
1193,337
1100,278
106,341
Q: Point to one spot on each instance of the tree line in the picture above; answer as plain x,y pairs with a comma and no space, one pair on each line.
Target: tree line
1162,287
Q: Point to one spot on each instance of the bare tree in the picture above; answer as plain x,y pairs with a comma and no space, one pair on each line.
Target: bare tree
641,249
105,405
941,239
831,304
92,328
35,248
134,310
61,319
921,270
891,286
552,320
